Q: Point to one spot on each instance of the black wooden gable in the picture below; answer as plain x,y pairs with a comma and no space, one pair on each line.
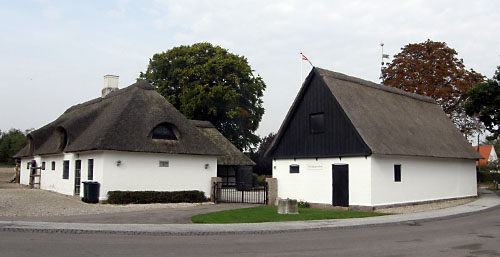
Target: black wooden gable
317,126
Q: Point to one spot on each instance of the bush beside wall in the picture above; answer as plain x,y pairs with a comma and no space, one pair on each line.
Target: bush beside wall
487,177
144,197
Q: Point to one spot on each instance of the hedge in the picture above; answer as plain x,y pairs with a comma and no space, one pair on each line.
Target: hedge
487,177
143,197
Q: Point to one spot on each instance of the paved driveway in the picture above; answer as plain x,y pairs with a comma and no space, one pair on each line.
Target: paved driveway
21,203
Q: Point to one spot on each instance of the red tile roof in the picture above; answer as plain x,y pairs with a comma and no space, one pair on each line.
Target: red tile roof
485,151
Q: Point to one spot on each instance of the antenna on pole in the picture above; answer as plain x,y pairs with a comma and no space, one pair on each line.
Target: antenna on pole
382,64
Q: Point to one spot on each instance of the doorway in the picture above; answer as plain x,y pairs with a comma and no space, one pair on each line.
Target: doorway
340,185
78,174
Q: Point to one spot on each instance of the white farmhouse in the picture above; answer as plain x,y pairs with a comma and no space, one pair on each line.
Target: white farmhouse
350,142
128,139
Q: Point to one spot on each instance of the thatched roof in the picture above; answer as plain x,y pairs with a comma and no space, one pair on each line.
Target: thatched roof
390,121
231,154
122,121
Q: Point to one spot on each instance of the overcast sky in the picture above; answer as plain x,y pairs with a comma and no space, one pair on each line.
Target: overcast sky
54,54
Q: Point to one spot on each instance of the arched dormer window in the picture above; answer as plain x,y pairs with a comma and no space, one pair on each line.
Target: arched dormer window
31,145
62,139
165,131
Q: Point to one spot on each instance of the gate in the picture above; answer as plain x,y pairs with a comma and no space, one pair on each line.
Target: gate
241,193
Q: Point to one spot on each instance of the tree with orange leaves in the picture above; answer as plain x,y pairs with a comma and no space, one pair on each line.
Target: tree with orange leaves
433,69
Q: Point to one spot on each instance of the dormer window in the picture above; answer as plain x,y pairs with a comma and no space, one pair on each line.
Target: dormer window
62,138
165,131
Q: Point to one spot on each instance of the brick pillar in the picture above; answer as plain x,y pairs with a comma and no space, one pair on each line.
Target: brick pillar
212,187
272,193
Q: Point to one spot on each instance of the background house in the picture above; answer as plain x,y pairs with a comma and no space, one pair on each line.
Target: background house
346,141
488,153
128,139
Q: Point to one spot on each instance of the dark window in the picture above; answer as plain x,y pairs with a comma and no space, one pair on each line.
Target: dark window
66,170
28,165
53,165
43,165
164,131
397,172
317,123
90,174
228,175
294,168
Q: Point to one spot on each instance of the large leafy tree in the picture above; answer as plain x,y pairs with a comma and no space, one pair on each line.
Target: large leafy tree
10,143
485,101
207,82
433,69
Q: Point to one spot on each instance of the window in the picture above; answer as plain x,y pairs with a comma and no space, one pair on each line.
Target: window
53,165
66,170
90,173
317,123
397,172
164,131
227,174
294,168
43,165
163,164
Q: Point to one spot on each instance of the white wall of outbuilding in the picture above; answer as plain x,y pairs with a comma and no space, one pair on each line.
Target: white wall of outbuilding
372,182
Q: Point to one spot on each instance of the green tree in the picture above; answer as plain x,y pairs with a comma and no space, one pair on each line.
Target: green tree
206,82
485,101
264,164
10,143
433,69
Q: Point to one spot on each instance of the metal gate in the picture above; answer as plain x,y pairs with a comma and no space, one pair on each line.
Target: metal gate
241,193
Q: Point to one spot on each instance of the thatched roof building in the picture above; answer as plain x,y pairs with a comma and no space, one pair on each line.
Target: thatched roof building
373,119
132,119
231,154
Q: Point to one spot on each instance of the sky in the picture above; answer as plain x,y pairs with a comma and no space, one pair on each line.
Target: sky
54,54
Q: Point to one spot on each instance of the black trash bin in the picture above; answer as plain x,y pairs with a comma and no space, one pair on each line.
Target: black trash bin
91,192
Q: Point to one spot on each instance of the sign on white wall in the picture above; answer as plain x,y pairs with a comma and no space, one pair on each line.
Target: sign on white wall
315,166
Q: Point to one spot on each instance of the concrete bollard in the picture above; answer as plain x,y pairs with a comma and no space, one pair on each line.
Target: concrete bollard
288,206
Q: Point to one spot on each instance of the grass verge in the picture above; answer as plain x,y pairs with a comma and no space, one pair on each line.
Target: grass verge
270,214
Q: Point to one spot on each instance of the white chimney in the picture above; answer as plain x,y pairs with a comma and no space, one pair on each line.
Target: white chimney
110,84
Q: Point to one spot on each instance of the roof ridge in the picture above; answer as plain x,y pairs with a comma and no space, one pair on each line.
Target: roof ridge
362,82
142,84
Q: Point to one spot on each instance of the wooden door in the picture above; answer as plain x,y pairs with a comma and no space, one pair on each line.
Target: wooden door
340,185
78,174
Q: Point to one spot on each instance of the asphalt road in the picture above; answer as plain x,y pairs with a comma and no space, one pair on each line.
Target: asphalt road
474,235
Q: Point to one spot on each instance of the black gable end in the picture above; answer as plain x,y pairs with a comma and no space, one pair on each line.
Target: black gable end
318,127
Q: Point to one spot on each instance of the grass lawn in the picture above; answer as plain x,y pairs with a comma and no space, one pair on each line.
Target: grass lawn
270,214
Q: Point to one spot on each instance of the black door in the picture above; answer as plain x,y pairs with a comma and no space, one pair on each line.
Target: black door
340,185
78,173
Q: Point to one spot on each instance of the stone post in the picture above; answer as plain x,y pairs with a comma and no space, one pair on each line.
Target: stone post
214,180
272,191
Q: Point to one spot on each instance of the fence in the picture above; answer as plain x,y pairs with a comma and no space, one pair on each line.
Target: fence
241,193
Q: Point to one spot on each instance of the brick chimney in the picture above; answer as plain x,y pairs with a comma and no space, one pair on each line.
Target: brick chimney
110,84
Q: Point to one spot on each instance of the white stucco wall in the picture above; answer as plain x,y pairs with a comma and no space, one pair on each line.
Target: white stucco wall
137,172
493,156
24,172
422,179
314,181
141,171
371,179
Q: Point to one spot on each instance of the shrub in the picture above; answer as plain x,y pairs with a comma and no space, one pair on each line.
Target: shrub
487,177
258,180
144,197
302,204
